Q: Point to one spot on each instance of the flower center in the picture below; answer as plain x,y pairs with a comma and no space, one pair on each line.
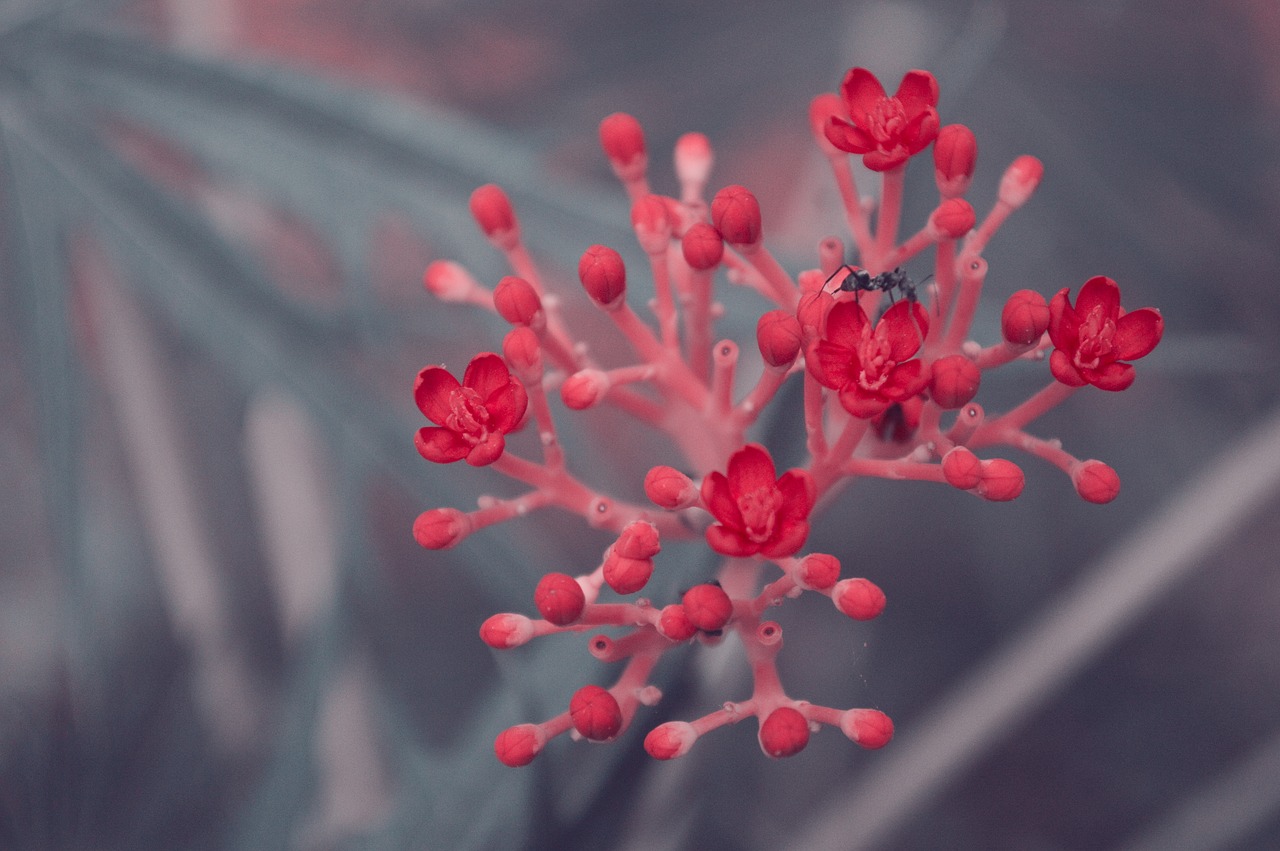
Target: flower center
467,415
873,354
1097,340
759,508
887,120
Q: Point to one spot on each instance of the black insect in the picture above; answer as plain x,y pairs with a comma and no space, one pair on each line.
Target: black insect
860,280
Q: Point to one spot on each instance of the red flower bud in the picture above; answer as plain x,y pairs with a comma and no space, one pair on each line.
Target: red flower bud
449,281
652,223
955,152
707,606
702,246
669,488
868,728
559,598
962,468
506,630
492,210
779,337
518,745
860,599
955,381
639,539
736,214
626,575
441,528
622,138
784,733
953,218
674,623
584,389
1095,481
603,275
516,300
818,571
523,352
694,158
1001,480
670,740
1020,180
595,713
1025,317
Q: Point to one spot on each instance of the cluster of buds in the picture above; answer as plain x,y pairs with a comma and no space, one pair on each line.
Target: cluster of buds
886,393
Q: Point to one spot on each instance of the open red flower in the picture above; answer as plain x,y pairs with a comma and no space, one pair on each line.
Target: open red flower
1094,339
871,367
885,130
472,417
758,512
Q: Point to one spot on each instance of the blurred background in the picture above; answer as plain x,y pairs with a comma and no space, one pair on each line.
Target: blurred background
215,628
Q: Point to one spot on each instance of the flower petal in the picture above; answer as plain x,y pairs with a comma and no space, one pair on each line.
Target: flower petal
847,137
798,493
885,160
488,450
906,380
904,326
861,91
432,390
486,373
862,403
729,542
719,500
506,406
845,323
1064,324
1114,376
751,468
1099,291
441,445
1063,370
920,131
833,365
787,540
917,91
1138,333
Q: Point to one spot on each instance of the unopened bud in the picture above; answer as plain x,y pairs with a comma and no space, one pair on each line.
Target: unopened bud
1095,481
1001,480
652,223
639,539
694,159
603,275
449,281
1025,317
595,713
516,300
702,246
492,210
868,728
559,598
441,528
784,733
622,138
669,488
955,152
953,218
518,745
506,630
521,349
962,468
1020,180
670,740
736,214
954,381
708,607
779,337
860,599
818,571
584,389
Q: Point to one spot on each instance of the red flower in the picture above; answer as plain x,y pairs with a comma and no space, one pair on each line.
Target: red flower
758,512
473,416
871,368
1093,339
885,130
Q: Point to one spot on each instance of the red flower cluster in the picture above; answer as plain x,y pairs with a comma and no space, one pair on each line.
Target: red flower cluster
885,130
871,367
890,398
472,417
1094,339
757,512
